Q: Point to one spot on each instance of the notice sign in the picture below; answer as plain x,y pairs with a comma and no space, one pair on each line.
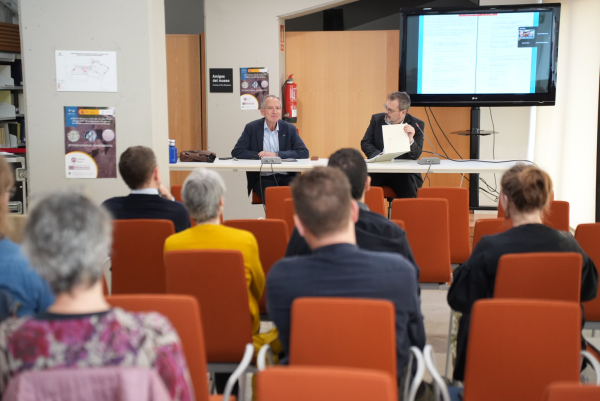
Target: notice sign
86,71
90,142
254,87
221,80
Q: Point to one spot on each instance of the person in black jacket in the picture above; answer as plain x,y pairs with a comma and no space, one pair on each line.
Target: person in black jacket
396,112
526,192
149,199
373,231
269,137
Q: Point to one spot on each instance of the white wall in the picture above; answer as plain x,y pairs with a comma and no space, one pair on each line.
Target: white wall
566,138
135,29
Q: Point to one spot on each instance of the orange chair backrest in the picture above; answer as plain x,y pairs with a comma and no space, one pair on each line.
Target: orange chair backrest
458,212
137,256
557,215
256,200
502,213
184,314
489,227
588,237
427,223
517,347
288,214
217,279
272,237
274,197
400,224
375,201
300,383
176,192
571,392
344,332
549,275
388,192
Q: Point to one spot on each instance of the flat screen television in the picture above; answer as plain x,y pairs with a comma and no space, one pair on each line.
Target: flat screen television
480,56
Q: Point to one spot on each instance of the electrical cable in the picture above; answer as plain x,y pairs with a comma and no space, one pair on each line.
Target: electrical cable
438,124
426,175
493,147
262,193
434,135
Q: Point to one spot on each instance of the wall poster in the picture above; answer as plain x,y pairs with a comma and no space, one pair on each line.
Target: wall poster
254,87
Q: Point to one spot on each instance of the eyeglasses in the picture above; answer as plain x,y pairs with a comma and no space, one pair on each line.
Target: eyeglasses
390,111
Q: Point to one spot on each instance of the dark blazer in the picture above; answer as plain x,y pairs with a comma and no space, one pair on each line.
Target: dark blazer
250,145
140,206
372,142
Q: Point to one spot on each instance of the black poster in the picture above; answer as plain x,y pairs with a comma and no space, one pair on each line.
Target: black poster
221,80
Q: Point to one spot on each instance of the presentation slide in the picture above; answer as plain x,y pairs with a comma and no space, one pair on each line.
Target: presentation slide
480,53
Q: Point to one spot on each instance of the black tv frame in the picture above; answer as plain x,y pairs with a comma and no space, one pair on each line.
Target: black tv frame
481,100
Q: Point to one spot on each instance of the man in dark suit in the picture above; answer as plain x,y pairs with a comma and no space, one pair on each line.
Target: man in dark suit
149,199
373,231
396,112
325,216
269,137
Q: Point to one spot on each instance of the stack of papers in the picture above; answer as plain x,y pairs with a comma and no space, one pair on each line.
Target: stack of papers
395,142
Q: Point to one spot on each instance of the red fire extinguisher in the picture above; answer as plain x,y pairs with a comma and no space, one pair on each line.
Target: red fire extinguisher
290,103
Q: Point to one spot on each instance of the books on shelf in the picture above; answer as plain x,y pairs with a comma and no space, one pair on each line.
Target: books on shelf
7,110
12,134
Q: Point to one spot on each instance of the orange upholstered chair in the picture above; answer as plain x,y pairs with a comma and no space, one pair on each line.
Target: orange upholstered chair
272,237
427,223
302,383
288,214
274,197
184,314
571,392
549,275
256,200
518,347
374,200
588,237
176,192
557,215
489,227
400,224
344,332
137,256
502,213
458,212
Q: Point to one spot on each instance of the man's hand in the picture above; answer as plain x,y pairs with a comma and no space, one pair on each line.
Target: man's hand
264,153
164,192
410,131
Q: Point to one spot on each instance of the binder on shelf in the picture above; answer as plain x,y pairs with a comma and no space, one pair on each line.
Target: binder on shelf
7,110
16,72
5,76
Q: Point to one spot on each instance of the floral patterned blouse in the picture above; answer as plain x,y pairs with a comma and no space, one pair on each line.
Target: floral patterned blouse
112,338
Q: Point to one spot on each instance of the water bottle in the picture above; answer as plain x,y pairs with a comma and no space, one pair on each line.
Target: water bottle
172,151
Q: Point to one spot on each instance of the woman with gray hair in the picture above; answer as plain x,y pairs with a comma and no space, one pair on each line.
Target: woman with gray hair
22,283
67,239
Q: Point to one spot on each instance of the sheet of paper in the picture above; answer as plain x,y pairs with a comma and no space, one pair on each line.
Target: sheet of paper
86,71
395,139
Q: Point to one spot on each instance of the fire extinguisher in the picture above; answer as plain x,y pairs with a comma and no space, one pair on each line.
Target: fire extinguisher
290,103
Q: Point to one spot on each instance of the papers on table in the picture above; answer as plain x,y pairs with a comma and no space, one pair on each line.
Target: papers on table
395,142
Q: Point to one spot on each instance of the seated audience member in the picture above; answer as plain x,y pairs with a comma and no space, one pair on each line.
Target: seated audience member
27,288
149,199
67,239
202,195
269,137
373,231
525,194
325,217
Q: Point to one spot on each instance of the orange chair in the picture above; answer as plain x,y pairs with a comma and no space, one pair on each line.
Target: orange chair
489,227
518,347
502,213
272,237
389,195
288,214
256,199
458,211
184,314
557,215
176,192
588,237
571,391
400,223
324,384
137,256
274,197
549,275
375,201
427,222
344,332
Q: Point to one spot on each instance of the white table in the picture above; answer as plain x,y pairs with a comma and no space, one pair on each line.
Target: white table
398,166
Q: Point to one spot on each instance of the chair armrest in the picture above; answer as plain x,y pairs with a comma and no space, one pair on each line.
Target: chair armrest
440,387
265,354
239,371
594,362
411,387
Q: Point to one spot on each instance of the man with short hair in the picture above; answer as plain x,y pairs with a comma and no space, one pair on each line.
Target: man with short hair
324,215
373,231
269,137
149,199
405,185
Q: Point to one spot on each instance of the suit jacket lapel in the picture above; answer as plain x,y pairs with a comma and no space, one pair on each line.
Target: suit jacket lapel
261,135
282,137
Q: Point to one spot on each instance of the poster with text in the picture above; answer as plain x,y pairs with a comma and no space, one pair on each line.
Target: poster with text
90,142
86,71
254,87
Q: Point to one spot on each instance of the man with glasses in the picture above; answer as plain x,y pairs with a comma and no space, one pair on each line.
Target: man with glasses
396,112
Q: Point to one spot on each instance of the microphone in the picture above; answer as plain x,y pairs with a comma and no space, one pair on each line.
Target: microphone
428,160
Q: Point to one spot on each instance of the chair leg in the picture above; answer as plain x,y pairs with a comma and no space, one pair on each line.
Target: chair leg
449,348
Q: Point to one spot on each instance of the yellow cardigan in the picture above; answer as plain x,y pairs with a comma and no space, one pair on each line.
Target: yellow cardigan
215,236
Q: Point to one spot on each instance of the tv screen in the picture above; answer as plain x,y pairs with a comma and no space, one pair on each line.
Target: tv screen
483,56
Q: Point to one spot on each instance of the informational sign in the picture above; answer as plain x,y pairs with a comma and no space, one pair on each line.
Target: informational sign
86,71
254,87
281,38
221,80
90,142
